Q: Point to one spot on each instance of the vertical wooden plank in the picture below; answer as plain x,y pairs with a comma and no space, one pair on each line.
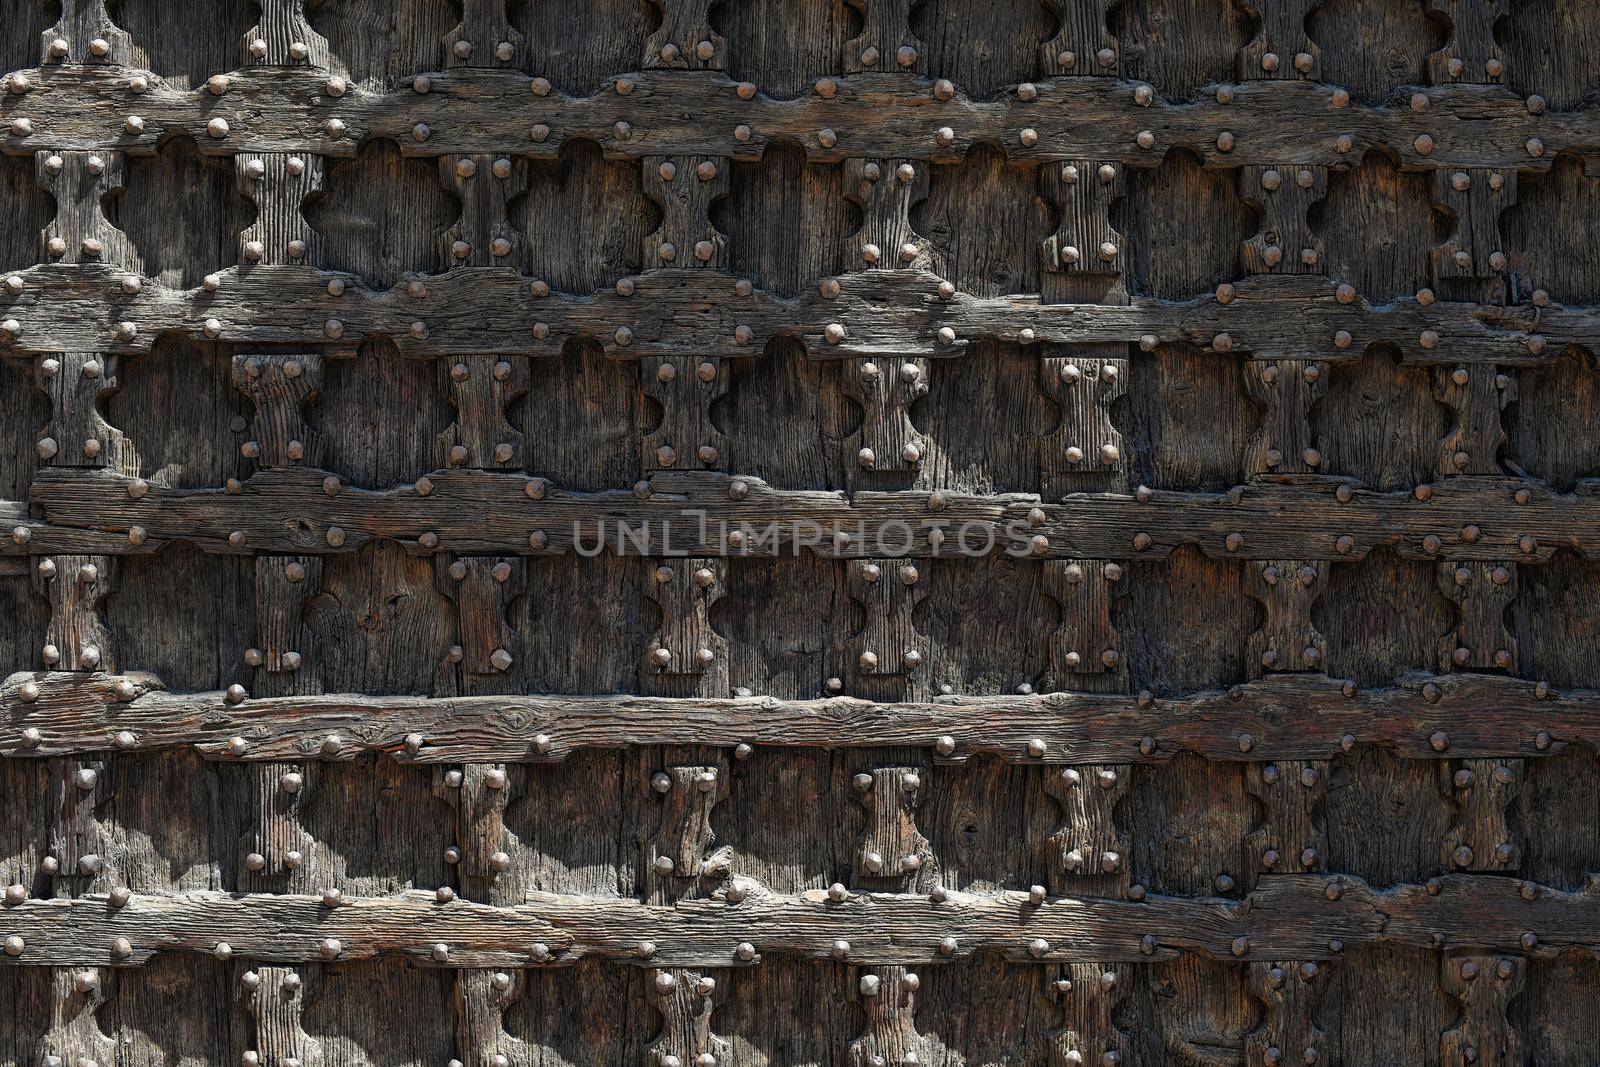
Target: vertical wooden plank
284,37
74,586
77,435
1287,640
279,183
1085,451
1282,49
1477,396
685,39
1481,593
679,861
1484,791
886,440
481,999
894,856
1092,997
888,996
684,589
889,589
1289,839
86,34
687,388
1089,853
482,389
1283,195
1485,986
280,385
1286,391
886,41
683,188
1291,993
1472,54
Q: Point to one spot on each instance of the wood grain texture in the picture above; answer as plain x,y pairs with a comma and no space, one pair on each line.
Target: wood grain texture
1292,916
1291,716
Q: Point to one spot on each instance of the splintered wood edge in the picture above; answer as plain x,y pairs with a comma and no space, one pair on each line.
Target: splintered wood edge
300,510
1297,917
1290,716
690,312
661,112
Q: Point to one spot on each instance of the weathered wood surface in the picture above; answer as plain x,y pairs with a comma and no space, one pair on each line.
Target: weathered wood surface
665,112
674,312
1288,716
301,510
390,305
1290,917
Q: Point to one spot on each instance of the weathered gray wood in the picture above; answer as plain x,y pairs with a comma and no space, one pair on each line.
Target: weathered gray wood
1290,917
1289,716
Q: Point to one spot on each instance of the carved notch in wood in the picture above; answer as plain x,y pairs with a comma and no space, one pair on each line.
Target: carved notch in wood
80,233
284,38
685,41
1471,54
889,589
483,588
482,388
280,385
685,1001
1481,592
888,996
1483,790
1485,987
685,187
281,848
485,185
1084,453
886,42
894,857
1478,395
1281,48
1285,390
1087,853
886,439
679,854
485,38
276,998
1287,641
1091,995
886,190
482,998
479,793
1086,643
76,997
278,183
1282,195
77,839
1085,241
686,388
685,589
77,639
78,436
1289,838
1084,44
86,34
1288,1032
1474,197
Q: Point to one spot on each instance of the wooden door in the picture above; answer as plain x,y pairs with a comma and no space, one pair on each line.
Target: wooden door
789,532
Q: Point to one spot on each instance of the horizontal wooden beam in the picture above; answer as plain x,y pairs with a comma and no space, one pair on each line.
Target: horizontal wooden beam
663,112
705,513
1288,716
691,312
1298,917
